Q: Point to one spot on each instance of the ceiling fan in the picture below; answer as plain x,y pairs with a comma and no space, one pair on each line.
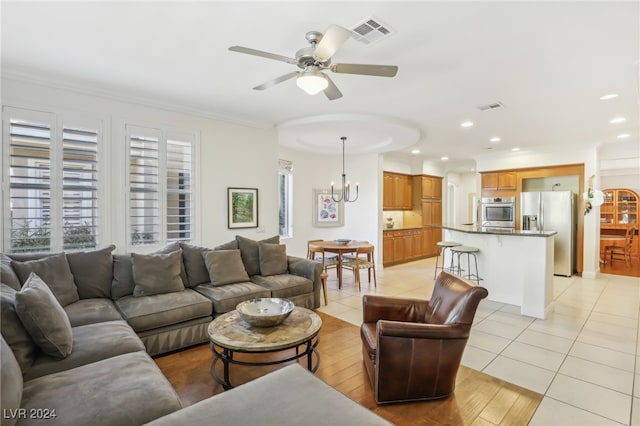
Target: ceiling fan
315,59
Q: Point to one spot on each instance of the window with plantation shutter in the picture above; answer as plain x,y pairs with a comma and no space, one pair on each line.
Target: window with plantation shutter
179,175
29,185
144,186
51,179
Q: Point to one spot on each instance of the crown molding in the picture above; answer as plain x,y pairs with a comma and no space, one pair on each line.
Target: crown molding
115,95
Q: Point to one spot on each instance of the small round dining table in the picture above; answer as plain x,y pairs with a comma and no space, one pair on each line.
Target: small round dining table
341,248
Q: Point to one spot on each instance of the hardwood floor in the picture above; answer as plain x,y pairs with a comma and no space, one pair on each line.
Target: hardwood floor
621,268
479,399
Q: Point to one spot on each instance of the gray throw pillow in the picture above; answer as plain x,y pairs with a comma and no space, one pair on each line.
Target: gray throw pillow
44,318
273,259
7,274
230,245
225,267
53,270
13,331
156,273
197,272
122,284
170,248
92,272
250,253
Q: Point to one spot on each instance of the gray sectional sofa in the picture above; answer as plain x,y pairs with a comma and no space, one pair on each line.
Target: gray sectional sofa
79,329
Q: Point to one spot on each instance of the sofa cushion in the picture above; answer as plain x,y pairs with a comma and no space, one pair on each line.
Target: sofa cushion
92,272
89,311
7,274
194,265
226,297
128,389
284,285
17,337
159,310
10,384
308,400
157,273
53,270
273,258
250,252
44,318
91,343
225,267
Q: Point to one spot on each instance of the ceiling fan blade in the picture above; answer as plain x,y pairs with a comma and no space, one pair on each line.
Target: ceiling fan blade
267,55
333,38
365,69
277,80
332,92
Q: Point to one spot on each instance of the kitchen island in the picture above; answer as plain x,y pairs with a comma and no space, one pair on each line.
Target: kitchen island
516,267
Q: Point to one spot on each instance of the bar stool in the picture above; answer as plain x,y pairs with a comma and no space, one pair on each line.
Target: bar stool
442,246
469,251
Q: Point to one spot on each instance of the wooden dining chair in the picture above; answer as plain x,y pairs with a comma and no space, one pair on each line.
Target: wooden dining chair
319,254
613,252
364,259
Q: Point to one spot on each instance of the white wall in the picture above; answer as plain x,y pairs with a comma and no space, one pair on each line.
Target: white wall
231,155
362,218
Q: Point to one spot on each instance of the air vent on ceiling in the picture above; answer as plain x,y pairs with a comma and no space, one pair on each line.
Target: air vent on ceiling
493,105
371,31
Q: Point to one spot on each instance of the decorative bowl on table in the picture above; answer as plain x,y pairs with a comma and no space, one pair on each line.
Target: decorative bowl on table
342,241
265,312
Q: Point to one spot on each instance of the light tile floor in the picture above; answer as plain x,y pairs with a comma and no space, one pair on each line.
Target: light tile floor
585,358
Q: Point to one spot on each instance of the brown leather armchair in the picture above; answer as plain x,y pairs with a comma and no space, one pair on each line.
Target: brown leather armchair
412,348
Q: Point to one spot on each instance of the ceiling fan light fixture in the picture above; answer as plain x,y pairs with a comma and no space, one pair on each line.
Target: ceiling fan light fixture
312,82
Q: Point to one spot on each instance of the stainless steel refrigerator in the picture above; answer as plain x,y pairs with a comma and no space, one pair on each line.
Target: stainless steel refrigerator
553,211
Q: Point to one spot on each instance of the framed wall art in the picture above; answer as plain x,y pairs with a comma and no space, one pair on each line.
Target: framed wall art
326,212
242,204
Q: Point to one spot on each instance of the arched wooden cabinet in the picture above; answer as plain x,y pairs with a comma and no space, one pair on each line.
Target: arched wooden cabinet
618,211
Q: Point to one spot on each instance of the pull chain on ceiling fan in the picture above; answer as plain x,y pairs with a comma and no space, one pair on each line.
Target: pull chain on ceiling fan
315,59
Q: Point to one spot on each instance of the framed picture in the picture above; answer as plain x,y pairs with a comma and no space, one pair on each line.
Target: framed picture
243,207
326,212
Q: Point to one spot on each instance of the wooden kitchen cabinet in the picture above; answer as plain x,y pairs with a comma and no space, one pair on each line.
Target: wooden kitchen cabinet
396,193
402,245
431,187
499,181
618,211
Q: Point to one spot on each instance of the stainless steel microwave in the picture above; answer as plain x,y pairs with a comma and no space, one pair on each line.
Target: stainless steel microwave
499,212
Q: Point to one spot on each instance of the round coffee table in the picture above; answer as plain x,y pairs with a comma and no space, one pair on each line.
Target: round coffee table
229,333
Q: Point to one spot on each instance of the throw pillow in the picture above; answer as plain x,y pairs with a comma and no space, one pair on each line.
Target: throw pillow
44,318
122,284
250,253
92,272
156,273
53,270
7,274
21,343
225,267
273,259
170,248
196,269
230,245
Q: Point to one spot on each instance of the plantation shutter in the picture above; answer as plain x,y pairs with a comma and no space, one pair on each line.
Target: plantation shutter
30,150
144,185
80,188
179,172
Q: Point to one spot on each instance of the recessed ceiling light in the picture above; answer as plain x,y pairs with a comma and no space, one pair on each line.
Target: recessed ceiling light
515,149
624,136
415,151
495,140
617,120
466,124
444,158
608,96
473,170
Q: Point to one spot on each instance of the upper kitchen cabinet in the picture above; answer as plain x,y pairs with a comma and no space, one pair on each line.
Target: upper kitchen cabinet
620,208
431,187
397,189
499,181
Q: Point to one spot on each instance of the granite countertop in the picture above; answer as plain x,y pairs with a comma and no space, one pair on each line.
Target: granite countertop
474,229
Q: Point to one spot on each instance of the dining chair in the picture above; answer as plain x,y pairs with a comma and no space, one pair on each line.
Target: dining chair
319,254
614,252
363,259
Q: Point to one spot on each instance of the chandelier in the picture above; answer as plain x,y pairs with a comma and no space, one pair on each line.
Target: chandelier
346,186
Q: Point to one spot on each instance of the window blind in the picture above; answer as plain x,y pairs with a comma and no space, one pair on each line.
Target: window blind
179,190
